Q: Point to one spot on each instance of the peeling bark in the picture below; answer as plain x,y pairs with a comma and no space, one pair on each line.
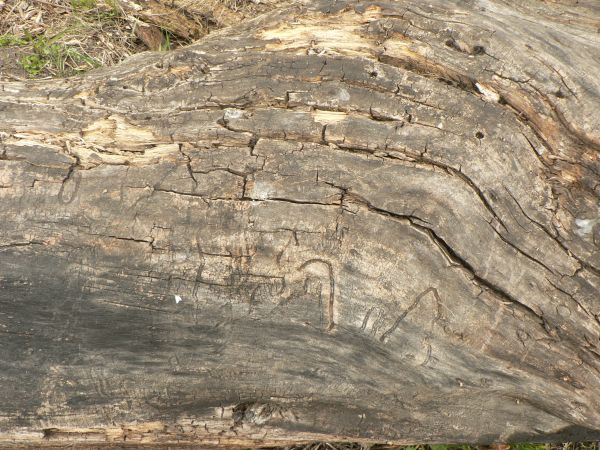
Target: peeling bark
367,221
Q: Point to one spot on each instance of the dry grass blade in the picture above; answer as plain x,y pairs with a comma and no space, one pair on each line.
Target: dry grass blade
57,38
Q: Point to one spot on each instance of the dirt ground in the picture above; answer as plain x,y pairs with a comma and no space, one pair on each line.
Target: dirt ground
58,38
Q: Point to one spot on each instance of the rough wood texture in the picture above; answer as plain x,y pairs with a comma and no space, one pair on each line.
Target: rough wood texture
374,221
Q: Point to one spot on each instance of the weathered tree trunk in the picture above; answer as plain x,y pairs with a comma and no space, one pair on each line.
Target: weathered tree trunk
359,221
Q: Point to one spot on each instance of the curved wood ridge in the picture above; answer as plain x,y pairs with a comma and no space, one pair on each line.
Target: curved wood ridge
372,221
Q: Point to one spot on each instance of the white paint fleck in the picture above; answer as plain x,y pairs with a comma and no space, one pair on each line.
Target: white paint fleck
262,190
177,299
344,95
488,93
232,113
585,226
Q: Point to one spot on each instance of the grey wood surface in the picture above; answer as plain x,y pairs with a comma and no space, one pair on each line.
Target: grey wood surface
367,221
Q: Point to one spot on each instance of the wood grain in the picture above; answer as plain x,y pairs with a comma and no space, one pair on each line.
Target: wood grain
368,221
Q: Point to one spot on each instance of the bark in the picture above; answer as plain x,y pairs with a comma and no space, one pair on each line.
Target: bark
370,221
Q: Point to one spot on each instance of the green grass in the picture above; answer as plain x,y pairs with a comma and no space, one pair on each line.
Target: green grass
107,15
528,447
521,446
454,447
166,45
9,40
469,447
57,58
33,64
83,5
43,55
449,447
113,10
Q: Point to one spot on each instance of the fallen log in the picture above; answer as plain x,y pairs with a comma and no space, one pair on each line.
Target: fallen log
366,221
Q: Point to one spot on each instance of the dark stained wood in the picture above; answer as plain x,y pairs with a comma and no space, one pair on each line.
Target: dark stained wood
370,221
